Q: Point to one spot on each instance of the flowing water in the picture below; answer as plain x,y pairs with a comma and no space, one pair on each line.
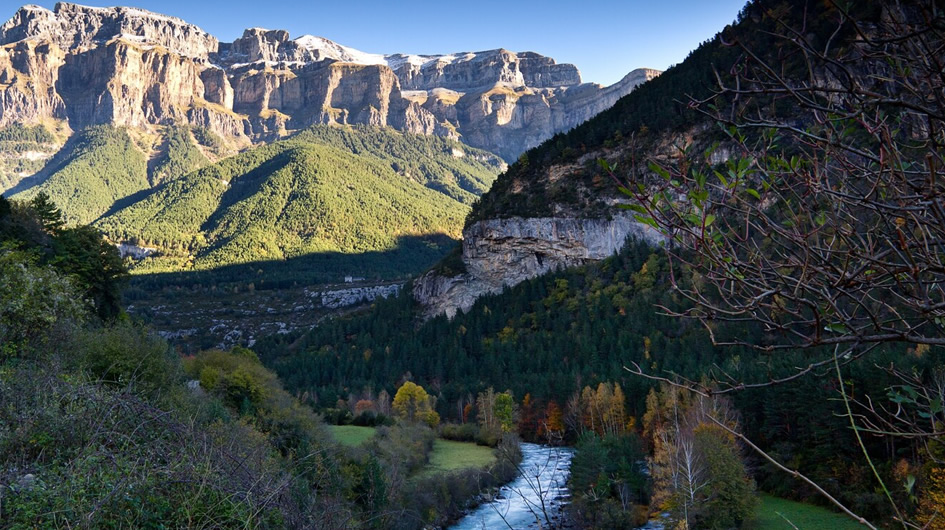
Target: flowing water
530,500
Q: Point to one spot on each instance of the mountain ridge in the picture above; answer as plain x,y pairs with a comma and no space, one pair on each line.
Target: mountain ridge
128,66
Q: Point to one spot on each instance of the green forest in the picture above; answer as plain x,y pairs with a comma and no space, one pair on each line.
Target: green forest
553,336
325,191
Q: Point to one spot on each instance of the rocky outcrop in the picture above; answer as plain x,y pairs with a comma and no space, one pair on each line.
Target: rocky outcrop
127,66
339,298
500,253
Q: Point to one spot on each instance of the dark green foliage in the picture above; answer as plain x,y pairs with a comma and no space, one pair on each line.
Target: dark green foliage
35,302
539,338
430,160
38,134
460,432
128,357
208,139
49,215
98,166
244,385
608,486
730,499
179,156
93,266
405,447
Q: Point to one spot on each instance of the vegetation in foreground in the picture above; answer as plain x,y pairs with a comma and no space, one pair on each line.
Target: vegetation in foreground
102,423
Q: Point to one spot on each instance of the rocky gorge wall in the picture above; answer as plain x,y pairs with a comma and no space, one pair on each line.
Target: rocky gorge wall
500,253
126,66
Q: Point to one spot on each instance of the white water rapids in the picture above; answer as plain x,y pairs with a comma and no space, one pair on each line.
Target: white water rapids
530,500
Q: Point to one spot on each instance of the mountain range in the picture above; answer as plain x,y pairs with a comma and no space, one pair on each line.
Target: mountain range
129,67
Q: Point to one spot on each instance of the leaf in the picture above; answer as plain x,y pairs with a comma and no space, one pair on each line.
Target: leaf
753,192
721,178
709,219
656,168
646,220
837,328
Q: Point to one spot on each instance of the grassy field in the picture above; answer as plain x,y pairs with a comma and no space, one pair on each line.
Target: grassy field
803,516
446,456
449,456
351,435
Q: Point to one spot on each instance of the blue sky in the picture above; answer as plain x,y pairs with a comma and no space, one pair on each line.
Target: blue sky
605,39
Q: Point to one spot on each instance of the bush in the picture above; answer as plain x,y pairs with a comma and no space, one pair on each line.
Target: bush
488,437
465,432
106,458
404,447
247,387
33,300
130,356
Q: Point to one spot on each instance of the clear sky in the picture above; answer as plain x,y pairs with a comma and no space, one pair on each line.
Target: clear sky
605,39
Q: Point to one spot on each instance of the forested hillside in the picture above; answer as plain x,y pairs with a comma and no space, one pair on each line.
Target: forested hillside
326,190
550,337
95,168
24,151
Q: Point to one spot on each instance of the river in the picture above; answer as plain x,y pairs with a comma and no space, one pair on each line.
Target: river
536,495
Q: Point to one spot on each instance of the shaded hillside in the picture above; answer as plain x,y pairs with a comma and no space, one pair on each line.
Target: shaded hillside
653,121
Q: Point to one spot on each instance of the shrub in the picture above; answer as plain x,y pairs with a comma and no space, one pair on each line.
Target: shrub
465,432
128,355
33,300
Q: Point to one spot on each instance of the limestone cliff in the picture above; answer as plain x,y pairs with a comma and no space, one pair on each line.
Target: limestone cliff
127,66
121,66
500,253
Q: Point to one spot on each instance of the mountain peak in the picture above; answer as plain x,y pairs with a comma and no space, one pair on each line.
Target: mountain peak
72,26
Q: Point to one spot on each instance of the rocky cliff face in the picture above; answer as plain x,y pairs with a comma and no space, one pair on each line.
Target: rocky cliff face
122,66
126,66
499,253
